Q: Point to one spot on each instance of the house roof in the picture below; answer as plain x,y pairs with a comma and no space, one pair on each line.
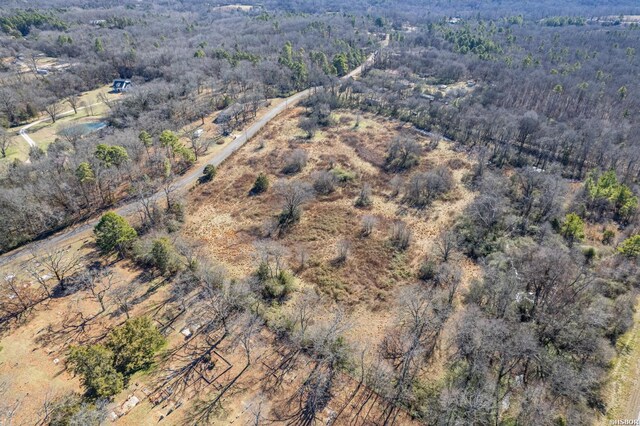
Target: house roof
121,84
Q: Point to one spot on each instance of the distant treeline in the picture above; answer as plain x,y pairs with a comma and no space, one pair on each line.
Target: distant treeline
20,23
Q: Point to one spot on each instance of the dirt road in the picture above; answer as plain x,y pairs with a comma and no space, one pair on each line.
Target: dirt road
185,182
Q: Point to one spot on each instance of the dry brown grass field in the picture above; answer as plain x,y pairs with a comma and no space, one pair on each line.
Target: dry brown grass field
226,223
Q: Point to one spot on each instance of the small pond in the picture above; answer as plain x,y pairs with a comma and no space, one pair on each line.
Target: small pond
94,126
85,128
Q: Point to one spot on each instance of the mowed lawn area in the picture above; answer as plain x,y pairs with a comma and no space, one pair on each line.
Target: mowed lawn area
91,109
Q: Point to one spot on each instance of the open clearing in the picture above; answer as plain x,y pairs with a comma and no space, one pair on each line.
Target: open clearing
232,7
90,110
227,222
623,389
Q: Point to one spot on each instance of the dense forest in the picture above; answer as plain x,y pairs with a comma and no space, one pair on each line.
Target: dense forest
549,94
541,103
407,9
516,314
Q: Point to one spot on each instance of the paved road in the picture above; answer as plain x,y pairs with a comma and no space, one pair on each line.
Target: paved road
184,182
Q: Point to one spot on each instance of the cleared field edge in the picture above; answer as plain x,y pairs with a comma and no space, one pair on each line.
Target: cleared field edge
623,392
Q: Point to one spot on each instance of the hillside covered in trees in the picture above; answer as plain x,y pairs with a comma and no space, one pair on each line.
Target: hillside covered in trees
318,212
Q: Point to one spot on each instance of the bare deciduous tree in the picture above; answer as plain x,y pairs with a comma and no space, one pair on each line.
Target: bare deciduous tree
124,298
199,143
15,298
324,182
400,235
343,248
57,263
296,161
423,188
9,404
446,244
32,63
53,108
364,197
74,101
302,314
302,256
368,223
396,184
5,141
145,190
403,153
105,100
412,341
449,278
99,284
293,195
248,325
169,187
329,352
71,133
272,257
